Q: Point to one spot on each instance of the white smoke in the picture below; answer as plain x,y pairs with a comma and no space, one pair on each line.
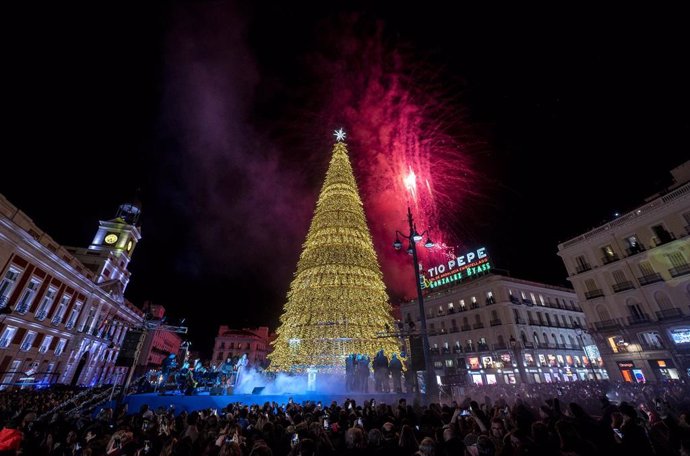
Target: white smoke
283,383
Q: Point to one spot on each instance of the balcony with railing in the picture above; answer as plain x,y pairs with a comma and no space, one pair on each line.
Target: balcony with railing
514,300
519,321
664,237
634,250
26,346
580,268
478,325
593,294
21,309
495,322
640,319
454,329
606,324
623,286
490,300
465,327
650,278
679,270
57,319
41,314
607,259
670,314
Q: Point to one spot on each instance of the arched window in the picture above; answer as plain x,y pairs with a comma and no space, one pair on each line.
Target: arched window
663,301
536,338
523,337
562,339
571,341
494,315
603,313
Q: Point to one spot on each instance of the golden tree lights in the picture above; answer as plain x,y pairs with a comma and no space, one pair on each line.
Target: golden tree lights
337,302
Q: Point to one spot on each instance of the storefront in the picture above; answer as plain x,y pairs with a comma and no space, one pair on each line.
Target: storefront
630,372
490,370
664,369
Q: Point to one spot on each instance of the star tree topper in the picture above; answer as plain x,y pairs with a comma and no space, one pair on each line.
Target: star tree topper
339,135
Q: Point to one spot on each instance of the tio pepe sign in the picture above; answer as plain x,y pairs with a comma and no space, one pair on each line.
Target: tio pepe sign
462,266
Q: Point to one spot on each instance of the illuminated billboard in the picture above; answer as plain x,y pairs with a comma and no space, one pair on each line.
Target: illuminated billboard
462,266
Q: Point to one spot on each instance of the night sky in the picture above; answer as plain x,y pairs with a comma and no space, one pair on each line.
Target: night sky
219,116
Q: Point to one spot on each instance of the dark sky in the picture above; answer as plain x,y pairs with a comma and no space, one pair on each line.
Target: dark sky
215,112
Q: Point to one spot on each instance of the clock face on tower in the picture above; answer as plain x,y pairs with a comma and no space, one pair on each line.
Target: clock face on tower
130,244
111,239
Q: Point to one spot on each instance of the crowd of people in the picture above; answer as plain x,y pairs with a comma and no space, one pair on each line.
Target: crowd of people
579,418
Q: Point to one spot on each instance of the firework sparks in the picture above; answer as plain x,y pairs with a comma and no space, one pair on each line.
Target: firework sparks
411,184
399,145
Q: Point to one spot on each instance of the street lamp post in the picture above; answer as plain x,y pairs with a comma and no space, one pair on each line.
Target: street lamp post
518,359
578,331
413,237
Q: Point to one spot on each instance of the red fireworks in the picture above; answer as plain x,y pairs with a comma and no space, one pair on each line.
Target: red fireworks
398,135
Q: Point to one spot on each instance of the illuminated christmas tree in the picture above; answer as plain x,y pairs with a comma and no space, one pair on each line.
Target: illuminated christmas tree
337,303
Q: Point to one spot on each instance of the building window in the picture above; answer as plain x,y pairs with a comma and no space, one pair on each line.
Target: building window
85,324
661,235
650,340
541,300
62,307
28,297
45,344
60,347
663,301
46,303
7,285
28,341
646,268
634,245
73,315
618,276
462,305
7,336
609,254
677,260
581,264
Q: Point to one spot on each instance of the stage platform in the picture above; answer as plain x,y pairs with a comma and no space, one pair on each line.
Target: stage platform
205,400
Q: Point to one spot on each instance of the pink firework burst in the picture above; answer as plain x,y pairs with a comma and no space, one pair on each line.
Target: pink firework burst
403,131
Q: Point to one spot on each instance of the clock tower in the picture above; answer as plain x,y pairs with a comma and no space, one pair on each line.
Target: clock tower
111,249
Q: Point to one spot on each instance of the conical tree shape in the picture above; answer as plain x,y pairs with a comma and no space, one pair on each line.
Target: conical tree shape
337,303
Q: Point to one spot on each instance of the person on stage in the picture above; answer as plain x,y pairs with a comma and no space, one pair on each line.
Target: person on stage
349,372
396,369
239,367
167,367
380,365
